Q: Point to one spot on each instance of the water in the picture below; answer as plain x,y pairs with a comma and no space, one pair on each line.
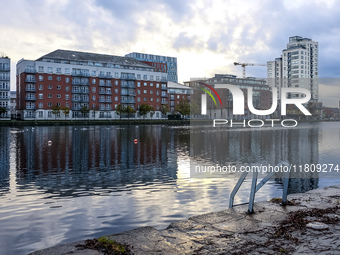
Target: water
91,181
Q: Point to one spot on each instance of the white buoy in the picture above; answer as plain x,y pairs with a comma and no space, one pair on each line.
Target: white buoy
49,143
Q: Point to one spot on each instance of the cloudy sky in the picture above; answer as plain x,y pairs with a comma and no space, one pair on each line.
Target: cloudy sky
205,36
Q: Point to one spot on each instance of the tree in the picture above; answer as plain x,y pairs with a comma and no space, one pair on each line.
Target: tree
130,110
3,110
55,110
66,111
145,109
183,107
84,110
120,109
194,109
165,109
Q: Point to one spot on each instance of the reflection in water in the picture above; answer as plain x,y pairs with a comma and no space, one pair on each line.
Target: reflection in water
65,183
96,157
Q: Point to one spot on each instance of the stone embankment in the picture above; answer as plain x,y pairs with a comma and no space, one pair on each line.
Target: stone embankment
309,224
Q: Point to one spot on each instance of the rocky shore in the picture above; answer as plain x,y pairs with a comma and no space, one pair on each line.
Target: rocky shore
309,224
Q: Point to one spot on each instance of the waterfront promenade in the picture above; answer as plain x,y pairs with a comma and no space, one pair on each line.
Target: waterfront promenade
308,225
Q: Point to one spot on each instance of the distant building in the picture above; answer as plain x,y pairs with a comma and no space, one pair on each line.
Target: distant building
90,81
261,95
296,68
177,92
5,85
160,63
13,104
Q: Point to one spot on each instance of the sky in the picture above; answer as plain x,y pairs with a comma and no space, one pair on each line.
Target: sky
207,37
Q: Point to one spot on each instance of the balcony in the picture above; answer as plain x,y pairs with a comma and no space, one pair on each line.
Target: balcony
164,102
124,92
132,93
164,95
127,101
108,93
30,80
30,70
131,85
164,88
80,92
80,83
4,98
30,89
102,100
108,100
108,84
31,98
76,108
102,84
80,74
75,99
164,79
124,85
105,76
128,77
31,107
4,68
4,88
102,92
84,100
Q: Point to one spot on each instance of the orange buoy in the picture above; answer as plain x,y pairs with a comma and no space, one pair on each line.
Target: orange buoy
135,141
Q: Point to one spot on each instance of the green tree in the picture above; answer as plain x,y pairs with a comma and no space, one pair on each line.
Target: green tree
144,109
165,109
84,110
183,107
120,109
55,110
66,111
3,110
130,110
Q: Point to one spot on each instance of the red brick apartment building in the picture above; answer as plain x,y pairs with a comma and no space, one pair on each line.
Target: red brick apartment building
177,92
100,82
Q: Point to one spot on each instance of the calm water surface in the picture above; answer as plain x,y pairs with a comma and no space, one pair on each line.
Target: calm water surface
91,181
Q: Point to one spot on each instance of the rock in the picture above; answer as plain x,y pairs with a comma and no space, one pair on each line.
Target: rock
317,225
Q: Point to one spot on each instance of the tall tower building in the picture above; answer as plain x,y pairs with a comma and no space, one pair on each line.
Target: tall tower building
297,67
160,63
5,74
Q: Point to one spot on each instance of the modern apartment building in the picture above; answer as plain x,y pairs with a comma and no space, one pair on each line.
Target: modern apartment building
297,67
160,63
78,80
261,95
177,92
5,76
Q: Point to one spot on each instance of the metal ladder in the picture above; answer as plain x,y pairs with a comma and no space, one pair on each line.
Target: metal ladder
255,187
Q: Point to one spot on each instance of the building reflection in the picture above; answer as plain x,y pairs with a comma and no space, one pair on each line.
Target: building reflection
104,157
4,160
225,146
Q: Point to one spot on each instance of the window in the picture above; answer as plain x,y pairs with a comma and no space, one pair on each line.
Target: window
145,91
41,105
151,91
50,78
49,69
58,96
138,91
67,97
49,104
116,91
93,98
58,114
93,81
116,99
41,96
117,76
145,84
58,87
151,77
67,88
49,114
67,105
41,69
40,112
41,78
145,77
138,76
151,99
116,83
41,87
157,93
67,70
93,89
151,84
50,86
144,99
58,70
49,95
157,100
138,84
157,85
138,99
67,79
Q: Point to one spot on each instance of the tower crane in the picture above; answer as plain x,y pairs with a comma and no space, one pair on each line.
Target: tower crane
247,64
